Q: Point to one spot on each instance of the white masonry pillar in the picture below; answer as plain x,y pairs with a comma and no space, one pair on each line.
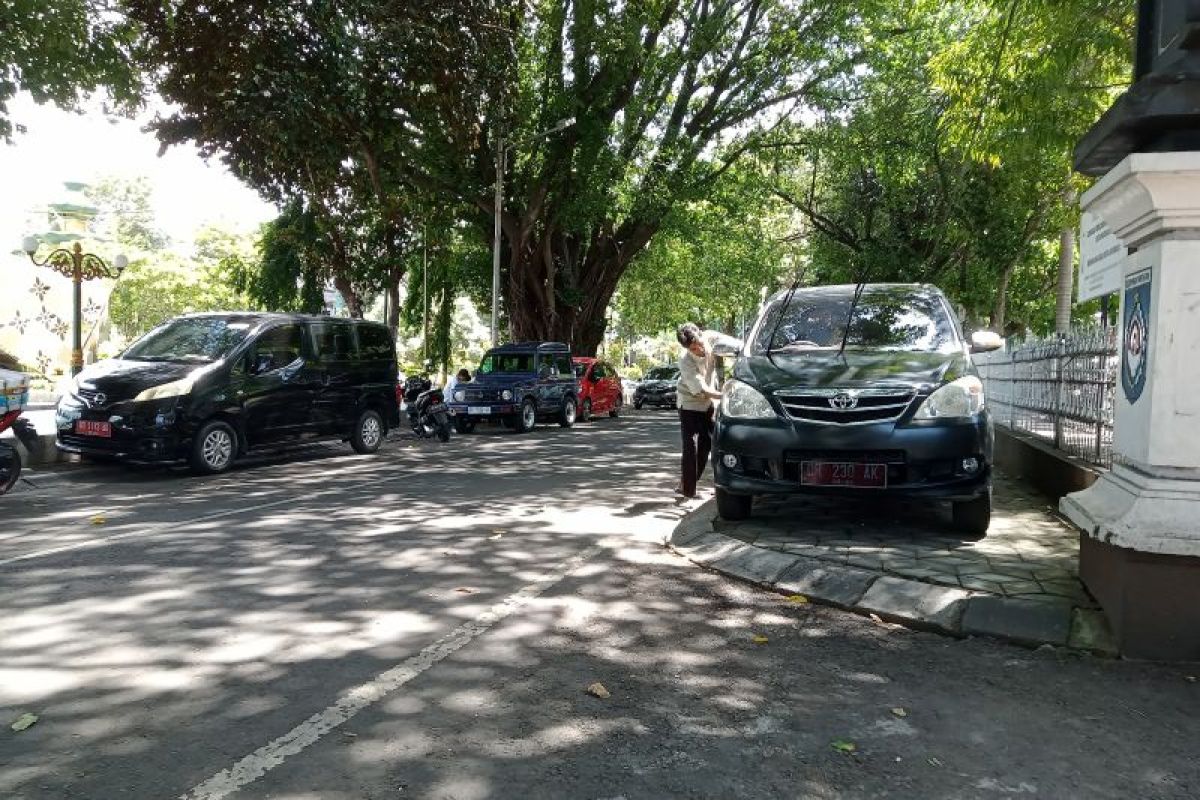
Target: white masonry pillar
1140,522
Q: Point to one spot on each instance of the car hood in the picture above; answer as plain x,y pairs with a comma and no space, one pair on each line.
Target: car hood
851,370
122,380
656,385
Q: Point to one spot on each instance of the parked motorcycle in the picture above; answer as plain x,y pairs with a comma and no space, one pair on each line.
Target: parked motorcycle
14,393
427,412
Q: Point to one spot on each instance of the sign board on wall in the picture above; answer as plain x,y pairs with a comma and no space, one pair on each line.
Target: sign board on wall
1101,256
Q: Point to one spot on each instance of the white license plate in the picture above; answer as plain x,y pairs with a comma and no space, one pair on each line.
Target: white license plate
479,410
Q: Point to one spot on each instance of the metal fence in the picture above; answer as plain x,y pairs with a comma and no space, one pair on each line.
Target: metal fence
1060,389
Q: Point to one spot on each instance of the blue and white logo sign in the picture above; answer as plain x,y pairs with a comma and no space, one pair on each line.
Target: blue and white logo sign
1135,353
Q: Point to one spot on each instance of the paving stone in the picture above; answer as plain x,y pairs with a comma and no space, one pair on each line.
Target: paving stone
1090,631
979,585
1018,620
865,561
995,577
920,573
1021,587
916,602
711,546
754,564
842,586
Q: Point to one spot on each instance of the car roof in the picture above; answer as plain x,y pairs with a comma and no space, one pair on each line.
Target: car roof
584,359
275,316
530,347
848,289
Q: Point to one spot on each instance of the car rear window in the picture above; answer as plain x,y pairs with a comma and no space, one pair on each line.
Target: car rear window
883,319
375,343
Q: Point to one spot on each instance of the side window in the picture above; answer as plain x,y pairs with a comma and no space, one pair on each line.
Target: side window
333,341
545,362
281,345
598,371
564,366
375,343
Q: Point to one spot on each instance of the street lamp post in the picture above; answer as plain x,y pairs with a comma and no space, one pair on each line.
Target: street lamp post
78,266
502,148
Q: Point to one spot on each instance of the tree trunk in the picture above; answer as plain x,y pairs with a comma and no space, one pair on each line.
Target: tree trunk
1001,308
393,299
353,301
1066,270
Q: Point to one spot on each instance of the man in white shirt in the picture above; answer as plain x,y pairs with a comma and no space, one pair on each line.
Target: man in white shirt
696,391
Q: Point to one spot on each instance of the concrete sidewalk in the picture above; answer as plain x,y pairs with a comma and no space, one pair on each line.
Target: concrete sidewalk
903,562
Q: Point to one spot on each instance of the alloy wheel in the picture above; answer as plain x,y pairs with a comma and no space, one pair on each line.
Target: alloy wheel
371,432
217,449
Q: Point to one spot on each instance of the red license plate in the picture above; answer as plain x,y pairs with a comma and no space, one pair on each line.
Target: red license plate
843,473
87,427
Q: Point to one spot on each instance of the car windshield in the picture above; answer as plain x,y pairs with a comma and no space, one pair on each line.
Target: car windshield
580,370
196,339
663,374
884,319
494,363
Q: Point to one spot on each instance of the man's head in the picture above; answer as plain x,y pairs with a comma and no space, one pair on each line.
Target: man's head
463,375
690,338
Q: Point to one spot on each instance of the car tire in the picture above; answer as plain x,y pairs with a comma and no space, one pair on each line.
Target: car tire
973,517
442,423
13,473
733,507
368,433
615,411
568,413
527,419
463,425
585,413
214,448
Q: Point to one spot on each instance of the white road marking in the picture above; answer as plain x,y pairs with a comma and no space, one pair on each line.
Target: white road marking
148,530
358,698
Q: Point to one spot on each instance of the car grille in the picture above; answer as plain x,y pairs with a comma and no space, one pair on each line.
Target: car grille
846,406
476,395
90,397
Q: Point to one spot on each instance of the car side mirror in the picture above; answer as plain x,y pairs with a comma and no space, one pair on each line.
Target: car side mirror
985,341
265,362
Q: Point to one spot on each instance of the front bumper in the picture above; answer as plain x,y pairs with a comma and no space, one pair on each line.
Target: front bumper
667,398
495,411
146,433
923,459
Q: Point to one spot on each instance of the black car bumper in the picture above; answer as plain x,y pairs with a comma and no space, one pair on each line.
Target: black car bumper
145,433
474,411
922,459
655,398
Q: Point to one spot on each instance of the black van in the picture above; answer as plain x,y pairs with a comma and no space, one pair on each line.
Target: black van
205,388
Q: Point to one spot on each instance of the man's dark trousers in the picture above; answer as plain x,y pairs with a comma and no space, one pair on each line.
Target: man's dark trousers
697,428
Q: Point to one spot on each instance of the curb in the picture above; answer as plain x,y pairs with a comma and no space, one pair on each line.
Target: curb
914,604
44,453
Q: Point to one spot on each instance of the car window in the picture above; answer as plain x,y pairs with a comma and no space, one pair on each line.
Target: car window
580,370
563,362
281,343
375,343
506,362
199,339
333,341
599,372
883,319
662,374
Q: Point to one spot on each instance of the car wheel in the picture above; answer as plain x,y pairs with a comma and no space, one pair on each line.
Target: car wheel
566,415
585,414
615,411
973,516
368,432
10,471
464,425
527,418
733,507
214,448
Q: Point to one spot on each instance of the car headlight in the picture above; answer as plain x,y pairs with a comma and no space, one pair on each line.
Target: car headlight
459,395
506,395
956,400
743,401
164,390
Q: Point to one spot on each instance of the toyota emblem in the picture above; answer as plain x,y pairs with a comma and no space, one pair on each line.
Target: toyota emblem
99,399
843,401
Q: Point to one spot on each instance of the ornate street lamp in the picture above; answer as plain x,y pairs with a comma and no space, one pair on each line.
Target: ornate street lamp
78,266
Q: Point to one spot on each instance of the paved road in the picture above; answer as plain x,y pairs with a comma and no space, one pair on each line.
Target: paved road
424,623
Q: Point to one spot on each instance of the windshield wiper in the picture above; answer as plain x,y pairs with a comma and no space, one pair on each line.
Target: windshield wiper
787,301
858,292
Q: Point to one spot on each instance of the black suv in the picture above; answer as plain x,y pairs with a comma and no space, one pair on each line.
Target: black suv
207,387
517,384
657,388
891,406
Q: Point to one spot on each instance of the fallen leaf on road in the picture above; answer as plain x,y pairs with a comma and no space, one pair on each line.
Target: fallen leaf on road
494,538
759,639
597,690
24,721
98,519
466,590
899,712
842,746
798,599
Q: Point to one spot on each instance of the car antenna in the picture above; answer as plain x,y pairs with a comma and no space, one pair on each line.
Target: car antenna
858,292
787,301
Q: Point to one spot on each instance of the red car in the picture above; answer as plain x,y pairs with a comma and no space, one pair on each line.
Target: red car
599,388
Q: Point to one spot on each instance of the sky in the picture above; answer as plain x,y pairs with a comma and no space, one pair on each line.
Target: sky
64,146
